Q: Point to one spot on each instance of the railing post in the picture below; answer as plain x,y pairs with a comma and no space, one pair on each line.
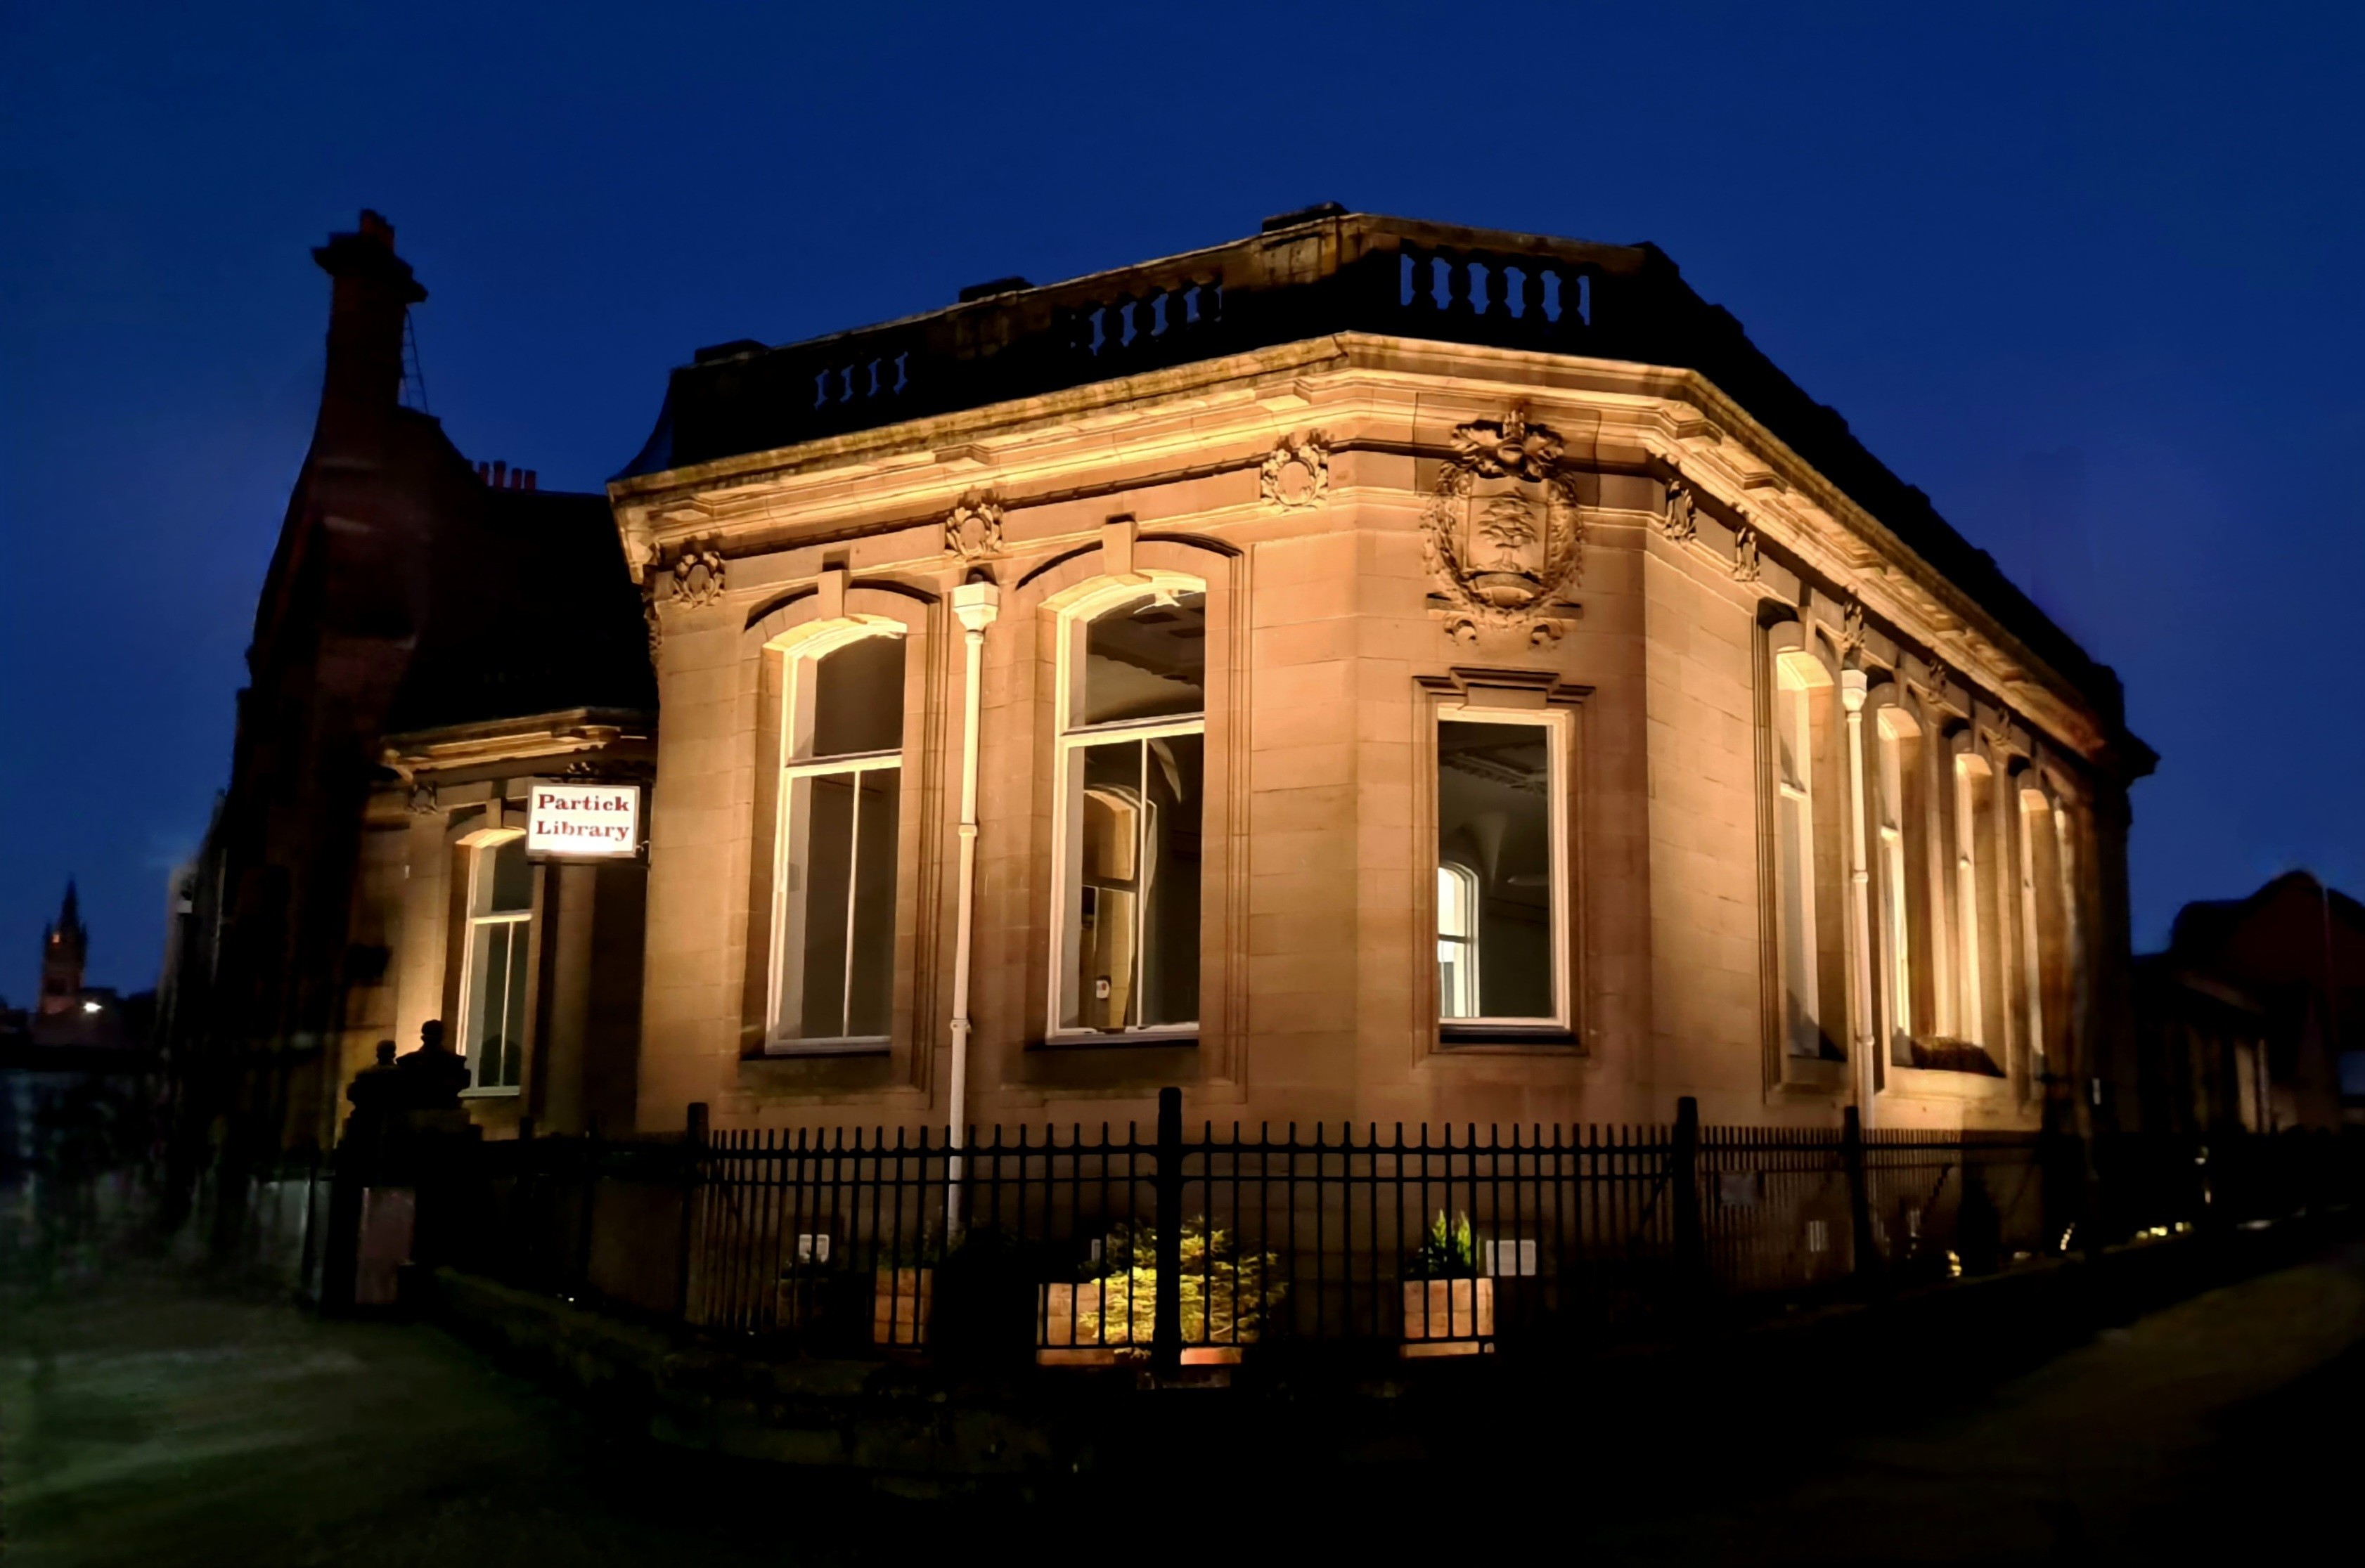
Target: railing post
694,1171
1683,1156
1867,1258
1166,1325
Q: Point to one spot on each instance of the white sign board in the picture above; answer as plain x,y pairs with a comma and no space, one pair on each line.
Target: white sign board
580,821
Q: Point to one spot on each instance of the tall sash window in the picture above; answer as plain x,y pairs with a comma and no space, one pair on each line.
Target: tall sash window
1132,790
493,984
833,931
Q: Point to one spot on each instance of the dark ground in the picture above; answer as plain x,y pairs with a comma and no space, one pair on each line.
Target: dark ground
144,1420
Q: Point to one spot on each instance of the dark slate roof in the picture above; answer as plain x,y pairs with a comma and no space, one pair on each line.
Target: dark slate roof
532,611
1306,276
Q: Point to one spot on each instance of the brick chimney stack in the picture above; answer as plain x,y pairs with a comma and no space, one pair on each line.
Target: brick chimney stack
373,293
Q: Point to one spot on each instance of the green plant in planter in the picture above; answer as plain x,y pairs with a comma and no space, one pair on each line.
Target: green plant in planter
1446,1252
1225,1293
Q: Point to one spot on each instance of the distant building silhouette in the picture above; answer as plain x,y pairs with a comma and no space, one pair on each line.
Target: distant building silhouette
2254,1016
78,1065
65,951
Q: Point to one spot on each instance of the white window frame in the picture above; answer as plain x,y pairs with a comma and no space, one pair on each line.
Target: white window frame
1073,738
1795,912
1896,902
481,849
1558,727
1969,769
785,987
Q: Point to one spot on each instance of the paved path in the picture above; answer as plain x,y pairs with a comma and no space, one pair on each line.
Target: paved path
145,1423
2225,1427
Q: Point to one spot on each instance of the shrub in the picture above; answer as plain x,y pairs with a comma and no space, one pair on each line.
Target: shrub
1446,1252
1226,1294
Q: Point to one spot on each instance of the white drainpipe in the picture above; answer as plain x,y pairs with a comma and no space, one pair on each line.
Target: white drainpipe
976,604
1867,1028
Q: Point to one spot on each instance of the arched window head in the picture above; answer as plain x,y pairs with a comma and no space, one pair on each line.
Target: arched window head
1144,659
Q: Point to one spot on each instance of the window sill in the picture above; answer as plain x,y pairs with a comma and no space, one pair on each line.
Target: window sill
871,1046
1129,1039
1939,1083
1812,1077
1452,1035
497,1091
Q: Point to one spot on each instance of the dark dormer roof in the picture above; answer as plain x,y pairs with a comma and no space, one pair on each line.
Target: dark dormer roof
533,611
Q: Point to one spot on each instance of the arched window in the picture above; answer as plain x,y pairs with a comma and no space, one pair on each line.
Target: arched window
493,980
2045,910
1457,941
834,927
1807,868
1901,819
1132,781
1980,969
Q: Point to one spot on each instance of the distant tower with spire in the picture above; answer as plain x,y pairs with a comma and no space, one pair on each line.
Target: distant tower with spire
65,947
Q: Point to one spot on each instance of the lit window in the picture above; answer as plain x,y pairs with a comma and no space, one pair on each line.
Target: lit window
1902,823
1980,973
1132,765
834,945
1499,898
493,987
1806,856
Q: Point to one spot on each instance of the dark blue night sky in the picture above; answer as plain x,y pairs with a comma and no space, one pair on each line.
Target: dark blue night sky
2086,274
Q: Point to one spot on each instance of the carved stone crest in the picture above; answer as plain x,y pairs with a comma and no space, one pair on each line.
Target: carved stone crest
1745,564
1852,630
698,577
422,799
1681,524
973,528
1502,533
1297,473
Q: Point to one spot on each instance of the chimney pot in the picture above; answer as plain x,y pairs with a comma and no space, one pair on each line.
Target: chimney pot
501,474
530,477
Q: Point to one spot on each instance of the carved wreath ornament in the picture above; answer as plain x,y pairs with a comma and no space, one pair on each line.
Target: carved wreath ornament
698,577
973,528
1502,533
1297,473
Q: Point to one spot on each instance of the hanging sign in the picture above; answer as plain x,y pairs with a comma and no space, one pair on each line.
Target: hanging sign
582,820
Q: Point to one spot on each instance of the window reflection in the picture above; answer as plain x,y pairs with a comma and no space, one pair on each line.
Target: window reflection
1134,758
1495,938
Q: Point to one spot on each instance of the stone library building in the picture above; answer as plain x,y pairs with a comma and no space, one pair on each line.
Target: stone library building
1369,671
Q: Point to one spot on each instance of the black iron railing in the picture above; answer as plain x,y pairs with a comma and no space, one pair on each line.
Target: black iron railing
1085,1246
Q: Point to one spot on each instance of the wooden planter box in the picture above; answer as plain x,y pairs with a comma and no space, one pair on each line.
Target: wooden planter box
1084,1327
1081,1327
1447,1317
901,1301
